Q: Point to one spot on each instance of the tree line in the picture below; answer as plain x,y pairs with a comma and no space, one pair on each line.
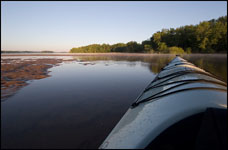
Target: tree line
12,51
205,37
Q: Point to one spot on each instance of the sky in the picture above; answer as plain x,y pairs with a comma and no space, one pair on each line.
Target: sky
59,26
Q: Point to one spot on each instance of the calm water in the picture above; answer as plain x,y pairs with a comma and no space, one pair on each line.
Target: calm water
80,103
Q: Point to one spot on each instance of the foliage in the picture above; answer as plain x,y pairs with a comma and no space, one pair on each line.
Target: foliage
175,50
162,47
188,50
47,52
93,48
206,37
130,47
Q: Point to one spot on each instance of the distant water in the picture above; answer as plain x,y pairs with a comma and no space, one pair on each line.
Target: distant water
83,99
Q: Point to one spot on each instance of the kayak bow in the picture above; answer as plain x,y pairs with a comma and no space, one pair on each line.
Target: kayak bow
179,91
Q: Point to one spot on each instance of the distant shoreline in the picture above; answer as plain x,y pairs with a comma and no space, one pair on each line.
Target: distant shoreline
99,54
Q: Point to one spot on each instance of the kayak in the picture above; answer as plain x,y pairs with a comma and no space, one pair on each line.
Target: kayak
180,104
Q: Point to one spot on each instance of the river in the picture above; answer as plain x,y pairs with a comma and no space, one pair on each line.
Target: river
81,100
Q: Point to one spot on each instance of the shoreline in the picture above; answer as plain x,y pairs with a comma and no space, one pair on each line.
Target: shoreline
16,73
99,54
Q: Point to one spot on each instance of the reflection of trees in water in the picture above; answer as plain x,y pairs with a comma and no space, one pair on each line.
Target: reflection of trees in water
148,58
156,62
215,64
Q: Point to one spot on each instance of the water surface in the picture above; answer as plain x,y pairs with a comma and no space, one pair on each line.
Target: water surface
83,99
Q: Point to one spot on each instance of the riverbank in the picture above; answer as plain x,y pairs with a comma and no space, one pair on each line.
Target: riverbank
16,72
102,54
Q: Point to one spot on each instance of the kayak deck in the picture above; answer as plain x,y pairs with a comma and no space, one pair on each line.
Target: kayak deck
179,75
179,91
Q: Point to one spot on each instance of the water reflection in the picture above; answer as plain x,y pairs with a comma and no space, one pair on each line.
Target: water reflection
76,107
83,99
215,64
153,62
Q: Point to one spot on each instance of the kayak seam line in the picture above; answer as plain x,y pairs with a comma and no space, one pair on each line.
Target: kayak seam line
185,72
181,90
180,73
168,68
193,80
164,91
174,75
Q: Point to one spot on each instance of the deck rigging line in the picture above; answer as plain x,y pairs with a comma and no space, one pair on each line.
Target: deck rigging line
183,82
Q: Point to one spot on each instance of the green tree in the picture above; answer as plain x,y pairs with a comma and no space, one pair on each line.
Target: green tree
148,48
133,46
206,37
162,47
175,50
202,34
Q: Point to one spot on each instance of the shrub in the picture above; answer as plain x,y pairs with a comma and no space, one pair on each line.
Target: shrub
175,50
188,50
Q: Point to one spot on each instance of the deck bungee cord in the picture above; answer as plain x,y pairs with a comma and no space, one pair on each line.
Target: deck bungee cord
181,90
182,82
157,95
190,81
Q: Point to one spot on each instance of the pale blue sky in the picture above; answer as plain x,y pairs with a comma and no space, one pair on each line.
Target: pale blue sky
59,26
